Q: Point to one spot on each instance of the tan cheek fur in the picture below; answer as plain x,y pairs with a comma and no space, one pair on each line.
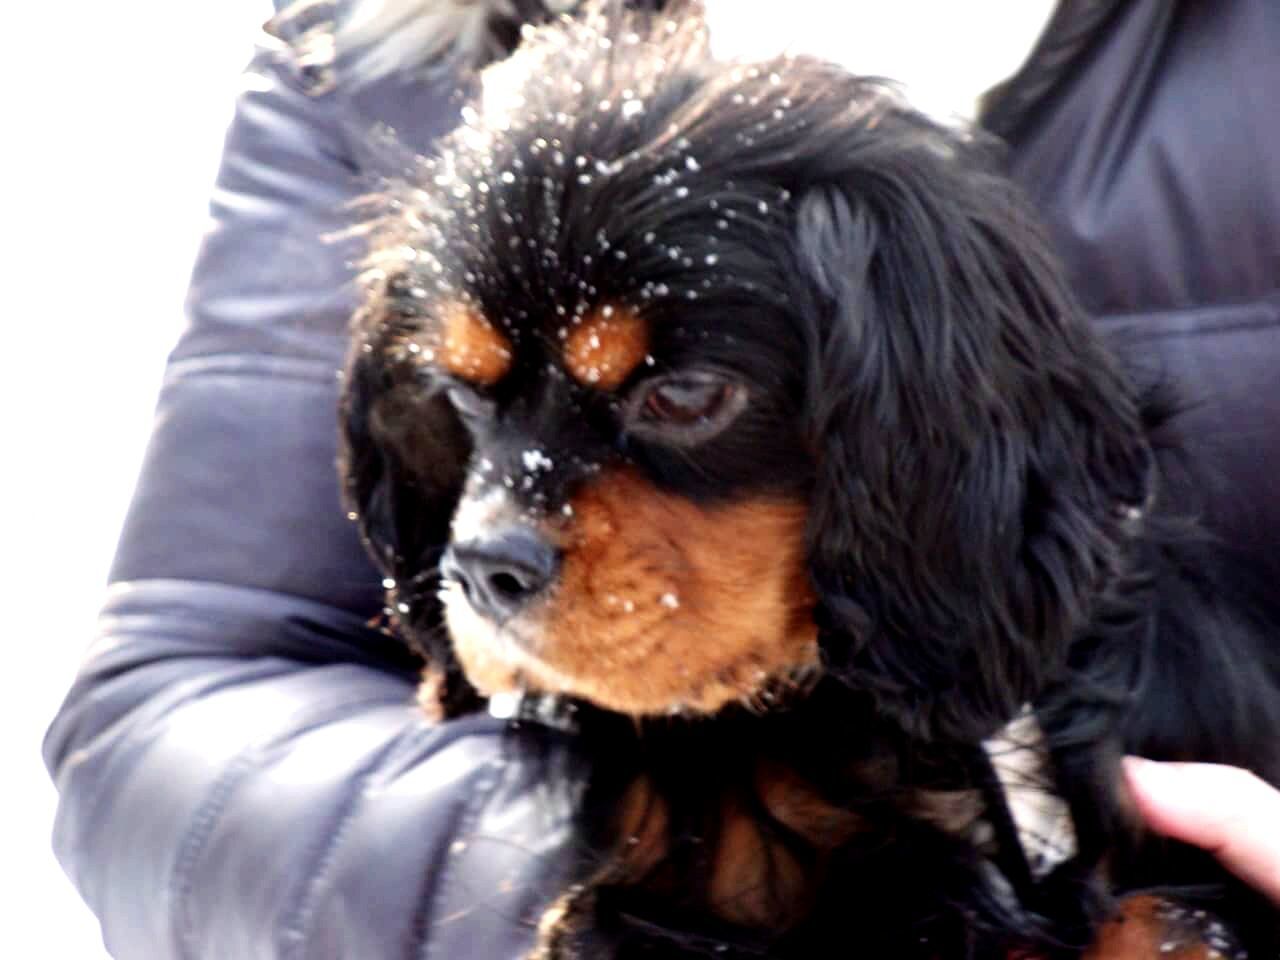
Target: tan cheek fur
662,604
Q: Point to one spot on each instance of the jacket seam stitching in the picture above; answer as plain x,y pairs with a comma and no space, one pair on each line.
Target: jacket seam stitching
1116,325
130,753
207,817
321,863
252,364
485,786
1263,309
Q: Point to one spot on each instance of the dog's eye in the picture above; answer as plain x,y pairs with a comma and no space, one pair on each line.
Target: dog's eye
469,404
686,408
685,402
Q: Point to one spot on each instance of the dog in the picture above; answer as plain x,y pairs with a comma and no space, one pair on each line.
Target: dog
747,412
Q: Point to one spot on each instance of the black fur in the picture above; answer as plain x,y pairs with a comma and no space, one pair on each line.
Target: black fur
989,526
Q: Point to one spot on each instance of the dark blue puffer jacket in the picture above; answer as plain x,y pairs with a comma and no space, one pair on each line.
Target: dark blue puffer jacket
242,768
242,771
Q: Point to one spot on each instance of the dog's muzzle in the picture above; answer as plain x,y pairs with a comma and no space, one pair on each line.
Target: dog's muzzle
503,573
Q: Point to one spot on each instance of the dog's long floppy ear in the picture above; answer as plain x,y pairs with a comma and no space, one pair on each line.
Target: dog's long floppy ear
981,464
402,450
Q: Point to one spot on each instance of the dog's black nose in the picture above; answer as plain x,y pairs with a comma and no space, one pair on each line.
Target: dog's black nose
502,574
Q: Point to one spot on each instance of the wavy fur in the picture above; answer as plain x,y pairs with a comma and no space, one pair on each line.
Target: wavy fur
989,526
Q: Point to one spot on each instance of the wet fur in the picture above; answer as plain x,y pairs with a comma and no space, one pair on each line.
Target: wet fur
989,522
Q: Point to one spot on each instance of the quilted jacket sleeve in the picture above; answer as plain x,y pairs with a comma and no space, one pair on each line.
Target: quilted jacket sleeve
240,767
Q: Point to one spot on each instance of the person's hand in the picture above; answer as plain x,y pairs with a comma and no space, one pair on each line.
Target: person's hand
1225,810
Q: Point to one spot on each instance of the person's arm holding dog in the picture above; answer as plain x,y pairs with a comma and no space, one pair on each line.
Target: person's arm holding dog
241,769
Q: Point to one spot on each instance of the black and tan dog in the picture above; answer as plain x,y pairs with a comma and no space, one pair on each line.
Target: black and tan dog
745,407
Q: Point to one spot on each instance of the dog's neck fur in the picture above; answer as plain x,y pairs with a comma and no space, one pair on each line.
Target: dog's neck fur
753,816
736,816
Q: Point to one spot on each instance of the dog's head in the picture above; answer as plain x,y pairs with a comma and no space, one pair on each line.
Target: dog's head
695,379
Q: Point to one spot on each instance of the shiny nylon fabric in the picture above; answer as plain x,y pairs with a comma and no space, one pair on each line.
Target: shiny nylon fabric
241,769
1153,157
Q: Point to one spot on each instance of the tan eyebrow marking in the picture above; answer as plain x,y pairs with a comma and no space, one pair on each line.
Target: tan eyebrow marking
606,347
471,348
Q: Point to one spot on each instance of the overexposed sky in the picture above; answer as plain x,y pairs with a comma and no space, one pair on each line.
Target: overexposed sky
946,54
114,114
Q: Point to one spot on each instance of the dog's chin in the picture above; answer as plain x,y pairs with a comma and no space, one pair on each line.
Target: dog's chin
661,667
496,658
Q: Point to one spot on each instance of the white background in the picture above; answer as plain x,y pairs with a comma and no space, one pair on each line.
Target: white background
113,114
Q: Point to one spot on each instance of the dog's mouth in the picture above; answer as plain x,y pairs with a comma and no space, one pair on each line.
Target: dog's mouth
639,601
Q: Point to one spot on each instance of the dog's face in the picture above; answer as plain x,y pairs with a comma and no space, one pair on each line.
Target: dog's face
631,526
695,379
